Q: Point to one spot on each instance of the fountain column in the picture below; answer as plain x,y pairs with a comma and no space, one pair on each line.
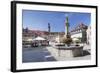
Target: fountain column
66,27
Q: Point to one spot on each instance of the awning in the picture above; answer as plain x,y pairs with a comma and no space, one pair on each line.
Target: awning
39,38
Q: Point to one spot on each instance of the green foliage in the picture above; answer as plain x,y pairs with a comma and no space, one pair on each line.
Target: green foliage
77,41
66,40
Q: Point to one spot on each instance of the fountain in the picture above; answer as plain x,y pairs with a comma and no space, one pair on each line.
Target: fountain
68,50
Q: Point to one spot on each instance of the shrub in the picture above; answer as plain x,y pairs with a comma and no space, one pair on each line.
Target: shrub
66,40
77,41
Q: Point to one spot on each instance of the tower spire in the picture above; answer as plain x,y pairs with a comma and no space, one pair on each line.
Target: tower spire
49,27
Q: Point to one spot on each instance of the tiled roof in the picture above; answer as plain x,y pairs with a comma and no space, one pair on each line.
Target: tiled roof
39,33
79,27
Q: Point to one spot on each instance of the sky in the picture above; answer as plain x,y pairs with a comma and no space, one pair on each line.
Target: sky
38,20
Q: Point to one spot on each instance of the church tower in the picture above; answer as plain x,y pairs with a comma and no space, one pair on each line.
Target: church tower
49,28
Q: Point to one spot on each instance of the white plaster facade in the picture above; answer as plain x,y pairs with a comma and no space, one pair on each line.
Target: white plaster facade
89,35
79,32
77,35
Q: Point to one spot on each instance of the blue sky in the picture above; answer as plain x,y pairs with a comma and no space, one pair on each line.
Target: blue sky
38,20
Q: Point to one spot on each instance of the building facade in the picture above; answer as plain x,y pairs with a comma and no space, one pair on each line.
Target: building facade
89,35
79,32
29,35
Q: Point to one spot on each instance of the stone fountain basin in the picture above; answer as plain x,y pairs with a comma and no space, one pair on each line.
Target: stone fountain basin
68,51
